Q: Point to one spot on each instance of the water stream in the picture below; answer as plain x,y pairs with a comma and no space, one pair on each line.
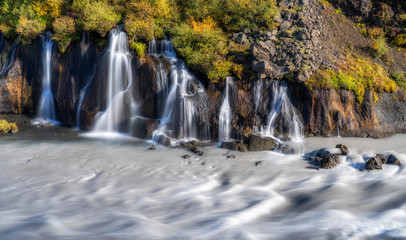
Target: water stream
120,104
225,114
98,190
46,106
184,100
282,115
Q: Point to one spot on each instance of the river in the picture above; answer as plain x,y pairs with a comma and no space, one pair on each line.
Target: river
119,189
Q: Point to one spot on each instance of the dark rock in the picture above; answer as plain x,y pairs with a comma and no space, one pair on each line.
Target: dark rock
315,159
330,161
186,156
260,143
164,140
325,152
374,163
344,149
242,147
197,151
285,25
258,163
152,147
392,160
203,163
312,167
228,145
383,157
230,155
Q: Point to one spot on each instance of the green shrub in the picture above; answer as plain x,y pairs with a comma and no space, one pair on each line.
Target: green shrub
64,28
204,47
399,78
29,29
354,74
380,46
400,40
100,17
6,127
140,48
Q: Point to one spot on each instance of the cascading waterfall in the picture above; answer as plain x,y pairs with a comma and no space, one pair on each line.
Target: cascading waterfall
7,60
120,105
46,108
181,118
283,114
152,47
225,115
162,87
82,96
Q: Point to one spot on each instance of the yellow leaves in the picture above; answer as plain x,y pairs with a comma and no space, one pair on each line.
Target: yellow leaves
354,74
29,29
46,8
203,26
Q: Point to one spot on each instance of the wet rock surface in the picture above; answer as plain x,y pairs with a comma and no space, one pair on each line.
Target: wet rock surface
261,143
376,163
327,157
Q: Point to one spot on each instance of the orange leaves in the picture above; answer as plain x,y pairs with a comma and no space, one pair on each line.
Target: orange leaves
203,26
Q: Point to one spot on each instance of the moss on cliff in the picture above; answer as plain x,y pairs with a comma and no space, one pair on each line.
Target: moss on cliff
356,74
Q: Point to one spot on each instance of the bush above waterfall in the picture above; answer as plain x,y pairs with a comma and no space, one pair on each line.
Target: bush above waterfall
203,45
99,17
64,28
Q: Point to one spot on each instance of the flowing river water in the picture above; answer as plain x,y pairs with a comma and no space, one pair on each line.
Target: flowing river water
118,189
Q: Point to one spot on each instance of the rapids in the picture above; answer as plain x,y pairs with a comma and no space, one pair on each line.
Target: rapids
118,189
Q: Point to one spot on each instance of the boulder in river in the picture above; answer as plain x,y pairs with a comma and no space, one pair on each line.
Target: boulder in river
261,143
197,151
392,160
374,163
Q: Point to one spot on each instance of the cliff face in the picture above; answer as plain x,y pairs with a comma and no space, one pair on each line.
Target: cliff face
311,36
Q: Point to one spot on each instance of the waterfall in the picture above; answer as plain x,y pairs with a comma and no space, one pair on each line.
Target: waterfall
120,105
46,108
225,115
167,49
162,86
152,47
283,114
82,96
7,60
184,101
258,93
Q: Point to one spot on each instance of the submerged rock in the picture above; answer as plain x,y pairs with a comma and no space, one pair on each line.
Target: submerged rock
197,151
261,143
152,147
325,152
344,149
164,140
392,160
374,163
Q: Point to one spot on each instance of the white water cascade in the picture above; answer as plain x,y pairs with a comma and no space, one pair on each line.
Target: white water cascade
180,115
152,47
283,114
225,114
46,108
120,104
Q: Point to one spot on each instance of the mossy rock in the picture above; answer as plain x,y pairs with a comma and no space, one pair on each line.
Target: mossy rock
6,127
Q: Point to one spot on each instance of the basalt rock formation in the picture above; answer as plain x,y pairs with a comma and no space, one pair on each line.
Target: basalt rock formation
310,37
